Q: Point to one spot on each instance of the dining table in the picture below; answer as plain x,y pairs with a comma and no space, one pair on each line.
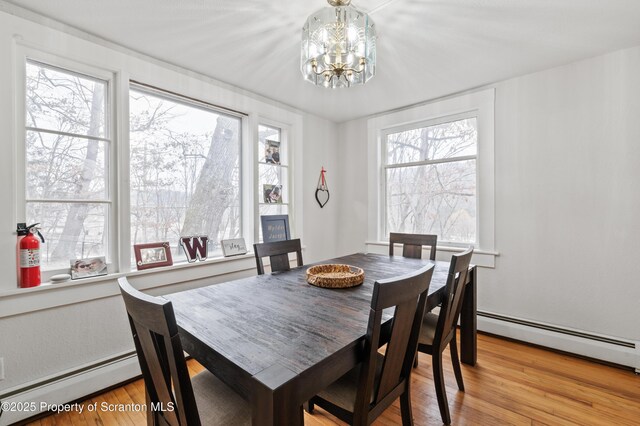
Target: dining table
277,340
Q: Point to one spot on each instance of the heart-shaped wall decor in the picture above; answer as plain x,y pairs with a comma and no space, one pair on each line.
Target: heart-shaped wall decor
322,196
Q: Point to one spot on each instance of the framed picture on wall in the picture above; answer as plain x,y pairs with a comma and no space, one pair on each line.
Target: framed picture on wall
275,228
152,255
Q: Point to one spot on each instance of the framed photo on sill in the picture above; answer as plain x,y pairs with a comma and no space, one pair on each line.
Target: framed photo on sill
275,228
152,255
90,267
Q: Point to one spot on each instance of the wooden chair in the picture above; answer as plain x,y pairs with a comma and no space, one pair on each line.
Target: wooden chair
165,373
362,394
412,244
439,330
278,253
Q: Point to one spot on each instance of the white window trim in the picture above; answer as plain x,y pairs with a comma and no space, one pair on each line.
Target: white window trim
479,104
384,166
125,243
57,48
294,159
24,54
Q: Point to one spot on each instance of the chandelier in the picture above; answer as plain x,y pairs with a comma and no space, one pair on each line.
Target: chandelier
338,46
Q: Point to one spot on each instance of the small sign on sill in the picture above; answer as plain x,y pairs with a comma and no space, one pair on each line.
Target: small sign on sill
233,247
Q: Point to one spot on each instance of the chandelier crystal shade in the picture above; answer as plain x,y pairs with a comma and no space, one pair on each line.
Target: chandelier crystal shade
338,46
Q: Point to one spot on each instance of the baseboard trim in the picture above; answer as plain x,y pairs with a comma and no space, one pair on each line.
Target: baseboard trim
605,348
69,386
76,384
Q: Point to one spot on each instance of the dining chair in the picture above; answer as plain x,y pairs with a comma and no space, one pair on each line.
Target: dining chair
361,395
172,398
439,330
412,244
278,253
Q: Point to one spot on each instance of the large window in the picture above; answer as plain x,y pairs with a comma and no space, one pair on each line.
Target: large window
430,179
184,170
67,150
182,167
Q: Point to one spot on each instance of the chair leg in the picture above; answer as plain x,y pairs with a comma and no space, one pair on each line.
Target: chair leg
415,360
405,406
308,406
441,391
453,346
152,420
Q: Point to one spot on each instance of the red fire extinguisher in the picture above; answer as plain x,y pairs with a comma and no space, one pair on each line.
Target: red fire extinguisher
29,255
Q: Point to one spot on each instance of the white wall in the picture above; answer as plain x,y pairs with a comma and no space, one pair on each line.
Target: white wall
567,156
353,187
49,330
567,199
321,148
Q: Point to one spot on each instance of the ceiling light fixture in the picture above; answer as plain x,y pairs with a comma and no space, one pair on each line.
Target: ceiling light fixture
338,46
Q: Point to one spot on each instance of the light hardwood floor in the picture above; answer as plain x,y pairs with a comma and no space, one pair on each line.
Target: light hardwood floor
511,384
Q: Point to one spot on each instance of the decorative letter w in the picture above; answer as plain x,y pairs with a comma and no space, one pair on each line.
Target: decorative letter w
195,248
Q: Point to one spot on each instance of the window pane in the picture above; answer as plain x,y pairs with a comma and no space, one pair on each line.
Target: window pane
270,149
446,140
185,171
84,236
62,167
433,199
65,102
272,184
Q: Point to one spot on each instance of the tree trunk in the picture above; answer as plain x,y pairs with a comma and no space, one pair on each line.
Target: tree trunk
78,212
215,188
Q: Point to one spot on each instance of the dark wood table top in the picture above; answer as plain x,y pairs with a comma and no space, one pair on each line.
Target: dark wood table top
260,321
278,341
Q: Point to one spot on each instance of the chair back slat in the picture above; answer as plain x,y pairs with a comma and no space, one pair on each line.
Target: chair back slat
278,253
279,262
408,294
165,373
413,244
396,348
454,290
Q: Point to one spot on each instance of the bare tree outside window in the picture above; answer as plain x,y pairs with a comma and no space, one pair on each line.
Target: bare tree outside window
430,176
184,170
67,169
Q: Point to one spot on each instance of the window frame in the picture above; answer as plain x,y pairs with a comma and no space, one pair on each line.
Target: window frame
125,237
59,48
118,239
24,55
384,134
285,131
479,103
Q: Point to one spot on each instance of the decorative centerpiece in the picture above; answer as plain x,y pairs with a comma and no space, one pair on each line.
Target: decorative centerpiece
335,276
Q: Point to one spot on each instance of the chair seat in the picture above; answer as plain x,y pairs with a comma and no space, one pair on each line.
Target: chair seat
217,403
343,391
428,330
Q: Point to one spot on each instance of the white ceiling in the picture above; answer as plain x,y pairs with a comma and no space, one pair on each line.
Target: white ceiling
426,48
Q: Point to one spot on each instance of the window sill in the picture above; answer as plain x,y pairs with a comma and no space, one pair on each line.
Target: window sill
48,295
481,258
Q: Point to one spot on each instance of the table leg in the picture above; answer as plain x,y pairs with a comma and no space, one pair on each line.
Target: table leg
273,400
469,322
